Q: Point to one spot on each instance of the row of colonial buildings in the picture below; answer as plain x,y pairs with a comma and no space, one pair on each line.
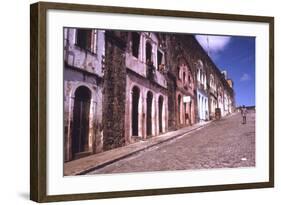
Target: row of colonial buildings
121,87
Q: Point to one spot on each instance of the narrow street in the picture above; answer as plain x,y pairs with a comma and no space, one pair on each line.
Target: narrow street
222,144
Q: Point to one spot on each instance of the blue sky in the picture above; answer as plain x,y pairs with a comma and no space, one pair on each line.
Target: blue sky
236,55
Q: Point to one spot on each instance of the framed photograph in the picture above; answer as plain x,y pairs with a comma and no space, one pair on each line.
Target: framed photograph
134,102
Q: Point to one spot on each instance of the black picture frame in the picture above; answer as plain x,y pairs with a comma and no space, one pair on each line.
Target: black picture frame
38,100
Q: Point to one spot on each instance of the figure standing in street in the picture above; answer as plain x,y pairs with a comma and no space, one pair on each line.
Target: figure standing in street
244,114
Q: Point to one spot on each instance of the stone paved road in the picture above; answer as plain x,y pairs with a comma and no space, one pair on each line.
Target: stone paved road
223,144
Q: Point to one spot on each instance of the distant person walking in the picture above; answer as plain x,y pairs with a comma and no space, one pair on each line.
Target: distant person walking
244,114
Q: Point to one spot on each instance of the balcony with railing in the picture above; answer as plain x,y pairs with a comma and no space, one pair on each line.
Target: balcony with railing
147,70
135,64
156,75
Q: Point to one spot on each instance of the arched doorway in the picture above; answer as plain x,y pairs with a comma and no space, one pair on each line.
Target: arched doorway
160,111
149,99
81,120
135,111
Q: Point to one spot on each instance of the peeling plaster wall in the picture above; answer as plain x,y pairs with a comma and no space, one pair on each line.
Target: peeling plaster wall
80,58
78,74
145,86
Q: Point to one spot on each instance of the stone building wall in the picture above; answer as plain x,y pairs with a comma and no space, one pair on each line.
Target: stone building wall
180,65
114,89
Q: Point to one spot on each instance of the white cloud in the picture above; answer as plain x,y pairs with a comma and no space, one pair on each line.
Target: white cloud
213,44
245,77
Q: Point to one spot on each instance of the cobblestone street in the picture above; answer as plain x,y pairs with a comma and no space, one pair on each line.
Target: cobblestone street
222,144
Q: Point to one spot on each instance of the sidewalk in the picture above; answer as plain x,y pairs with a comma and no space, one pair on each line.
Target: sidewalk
96,161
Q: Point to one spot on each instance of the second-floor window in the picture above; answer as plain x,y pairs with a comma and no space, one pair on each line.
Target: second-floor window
148,53
135,44
87,39
159,58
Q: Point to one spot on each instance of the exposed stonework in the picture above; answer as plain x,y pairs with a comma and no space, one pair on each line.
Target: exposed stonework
181,77
114,92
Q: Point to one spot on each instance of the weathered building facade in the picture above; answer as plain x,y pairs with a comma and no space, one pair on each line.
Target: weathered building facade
212,88
181,82
202,95
83,79
123,87
146,113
